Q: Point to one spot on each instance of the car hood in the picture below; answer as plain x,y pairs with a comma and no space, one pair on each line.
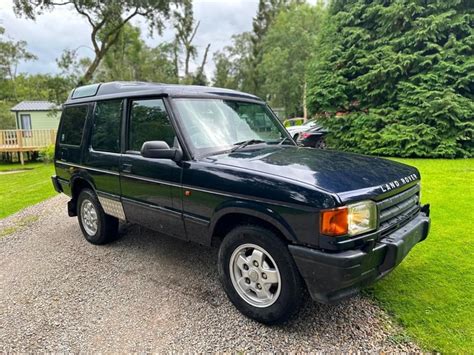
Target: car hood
329,170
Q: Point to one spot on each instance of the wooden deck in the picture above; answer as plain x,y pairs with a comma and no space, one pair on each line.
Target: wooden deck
20,141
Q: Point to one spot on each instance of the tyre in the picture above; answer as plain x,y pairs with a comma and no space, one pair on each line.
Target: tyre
320,144
97,227
259,275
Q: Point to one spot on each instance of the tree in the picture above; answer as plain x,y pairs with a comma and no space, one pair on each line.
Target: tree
400,74
287,48
185,32
106,18
131,59
200,77
71,66
223,76
233,63
267,11
11,54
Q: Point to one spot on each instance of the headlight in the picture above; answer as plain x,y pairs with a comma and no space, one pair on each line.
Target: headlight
353,219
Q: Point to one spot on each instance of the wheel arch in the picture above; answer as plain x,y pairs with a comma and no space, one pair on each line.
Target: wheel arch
230,216
78,183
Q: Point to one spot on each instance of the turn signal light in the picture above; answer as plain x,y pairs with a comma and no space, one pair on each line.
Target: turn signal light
335,222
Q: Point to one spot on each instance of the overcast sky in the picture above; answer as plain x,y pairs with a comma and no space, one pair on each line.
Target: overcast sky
63,28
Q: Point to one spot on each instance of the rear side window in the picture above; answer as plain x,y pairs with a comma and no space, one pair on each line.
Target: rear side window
149,122
106,129
72,127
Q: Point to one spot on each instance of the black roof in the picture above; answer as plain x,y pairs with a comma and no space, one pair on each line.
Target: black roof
119,89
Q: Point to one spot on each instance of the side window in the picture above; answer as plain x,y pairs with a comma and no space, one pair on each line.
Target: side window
72,126
149,122
106,129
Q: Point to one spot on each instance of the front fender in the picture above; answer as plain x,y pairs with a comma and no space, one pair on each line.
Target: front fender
252,209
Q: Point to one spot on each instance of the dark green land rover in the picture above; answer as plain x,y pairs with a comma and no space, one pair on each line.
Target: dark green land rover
216,167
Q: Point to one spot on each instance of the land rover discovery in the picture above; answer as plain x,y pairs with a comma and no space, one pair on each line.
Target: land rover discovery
216,167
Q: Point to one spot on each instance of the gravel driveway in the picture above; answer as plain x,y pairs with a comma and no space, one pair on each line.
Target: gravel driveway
147,292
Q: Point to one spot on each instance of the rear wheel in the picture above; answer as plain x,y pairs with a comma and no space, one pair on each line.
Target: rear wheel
320,143
259,274
97,227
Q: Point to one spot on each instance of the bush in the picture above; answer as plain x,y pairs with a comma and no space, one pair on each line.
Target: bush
46,155
400,75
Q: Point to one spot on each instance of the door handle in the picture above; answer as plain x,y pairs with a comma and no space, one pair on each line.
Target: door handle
127,168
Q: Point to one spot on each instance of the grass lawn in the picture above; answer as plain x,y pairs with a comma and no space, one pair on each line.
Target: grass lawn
22,189
431,293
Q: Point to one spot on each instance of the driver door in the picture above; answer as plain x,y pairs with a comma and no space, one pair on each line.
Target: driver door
151,188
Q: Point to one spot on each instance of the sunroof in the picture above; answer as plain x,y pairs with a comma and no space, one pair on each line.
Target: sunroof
85,91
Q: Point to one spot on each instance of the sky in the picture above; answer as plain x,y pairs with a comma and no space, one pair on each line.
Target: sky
52,32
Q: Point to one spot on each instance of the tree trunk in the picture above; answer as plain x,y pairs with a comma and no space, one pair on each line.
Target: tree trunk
186,63
204,59
92,68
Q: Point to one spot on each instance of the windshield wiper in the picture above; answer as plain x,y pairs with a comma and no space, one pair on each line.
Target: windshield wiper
243,144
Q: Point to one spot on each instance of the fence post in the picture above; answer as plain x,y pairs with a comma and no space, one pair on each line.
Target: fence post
19,139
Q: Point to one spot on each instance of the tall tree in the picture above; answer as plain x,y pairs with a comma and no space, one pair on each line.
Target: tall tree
106,19
287,48
267,11
186,29
400,73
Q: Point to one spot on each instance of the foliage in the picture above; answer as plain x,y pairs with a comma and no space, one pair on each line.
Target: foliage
29,186
430,292
30,87
270,60
266,13
239,65
11,54
287,47
18,87
106,18
7,119
402,74
46,155
185,32
233,63
131,59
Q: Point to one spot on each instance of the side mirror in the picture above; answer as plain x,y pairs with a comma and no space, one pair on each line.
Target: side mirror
160,150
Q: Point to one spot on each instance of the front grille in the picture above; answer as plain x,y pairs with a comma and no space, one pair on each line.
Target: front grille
398,210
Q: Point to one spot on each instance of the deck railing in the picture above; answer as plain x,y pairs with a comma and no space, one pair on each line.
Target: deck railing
18,140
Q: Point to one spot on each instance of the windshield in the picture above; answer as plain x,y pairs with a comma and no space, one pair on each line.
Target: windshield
215,125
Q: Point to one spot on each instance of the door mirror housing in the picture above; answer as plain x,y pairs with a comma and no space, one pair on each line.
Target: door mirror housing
160,150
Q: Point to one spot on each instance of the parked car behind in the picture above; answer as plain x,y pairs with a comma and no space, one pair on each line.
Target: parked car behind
217,167
297,129
313,137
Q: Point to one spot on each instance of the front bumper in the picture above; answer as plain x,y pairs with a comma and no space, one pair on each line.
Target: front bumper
331,277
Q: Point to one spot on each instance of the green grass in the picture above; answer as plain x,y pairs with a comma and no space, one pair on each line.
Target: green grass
22,189
431,294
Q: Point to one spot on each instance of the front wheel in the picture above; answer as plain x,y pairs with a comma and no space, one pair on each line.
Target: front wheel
259,274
